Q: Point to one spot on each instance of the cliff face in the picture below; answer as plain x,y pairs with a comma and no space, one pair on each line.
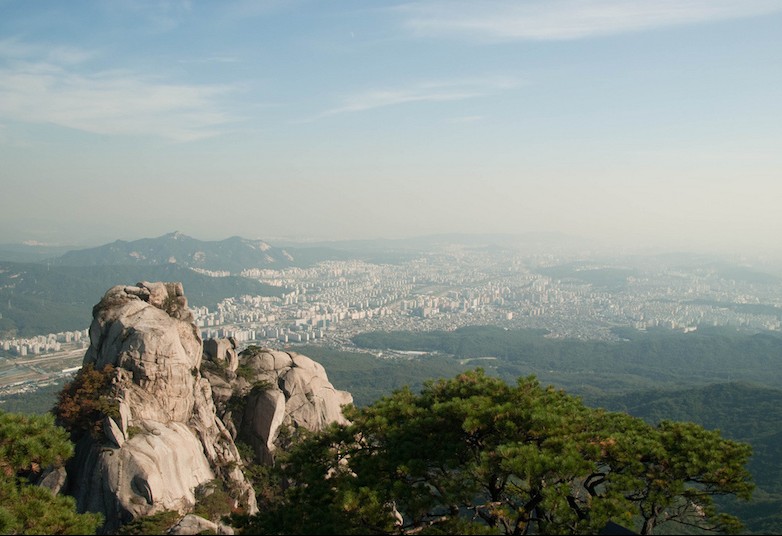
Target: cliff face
166,436
166,440
276,389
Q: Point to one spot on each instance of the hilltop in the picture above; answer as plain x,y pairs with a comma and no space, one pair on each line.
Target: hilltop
158,417
232,254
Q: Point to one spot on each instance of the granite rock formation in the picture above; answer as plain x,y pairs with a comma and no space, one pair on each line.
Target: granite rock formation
277,389
178,407
167,439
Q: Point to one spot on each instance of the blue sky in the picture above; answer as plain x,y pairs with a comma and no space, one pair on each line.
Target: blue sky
639,122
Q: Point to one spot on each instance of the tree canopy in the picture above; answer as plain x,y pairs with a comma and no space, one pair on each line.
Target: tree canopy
474,455
28,445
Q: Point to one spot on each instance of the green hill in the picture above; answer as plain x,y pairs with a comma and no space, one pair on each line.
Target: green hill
644,360
36,298
233,254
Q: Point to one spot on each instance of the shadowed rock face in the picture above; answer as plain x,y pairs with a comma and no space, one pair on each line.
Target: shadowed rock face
147,333
279,389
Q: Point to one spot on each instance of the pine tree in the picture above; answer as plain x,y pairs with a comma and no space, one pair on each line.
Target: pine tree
28,445
474,455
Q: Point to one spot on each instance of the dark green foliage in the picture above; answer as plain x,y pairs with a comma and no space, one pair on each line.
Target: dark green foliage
35,402
743,412
158,523
264,479
29,444
473,454
646,360
368,377
28,509
260,385
749,308
213,502
217,368
608,278
243,371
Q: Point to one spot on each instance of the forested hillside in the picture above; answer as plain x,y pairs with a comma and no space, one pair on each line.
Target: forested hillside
37,299
744,412
642,360
476,455
656,375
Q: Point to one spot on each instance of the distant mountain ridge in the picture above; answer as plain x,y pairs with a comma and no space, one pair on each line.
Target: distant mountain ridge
39,298
233,254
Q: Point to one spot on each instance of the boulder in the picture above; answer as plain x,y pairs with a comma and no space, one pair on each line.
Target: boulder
155,470
222,352
53,478
287,389
113,432
262,418
174,429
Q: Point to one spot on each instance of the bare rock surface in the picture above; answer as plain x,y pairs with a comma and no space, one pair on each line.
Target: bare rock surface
178,407
281,389
153,471
177,442
222,351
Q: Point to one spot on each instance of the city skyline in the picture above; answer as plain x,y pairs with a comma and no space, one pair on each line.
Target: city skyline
654,124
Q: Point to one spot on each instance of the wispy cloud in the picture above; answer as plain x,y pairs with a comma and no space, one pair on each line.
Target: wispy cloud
50,85
211,59
504,20
248,9
466,119
13,49
158,15
433,91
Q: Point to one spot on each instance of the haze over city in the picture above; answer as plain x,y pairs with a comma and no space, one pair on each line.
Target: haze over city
649,124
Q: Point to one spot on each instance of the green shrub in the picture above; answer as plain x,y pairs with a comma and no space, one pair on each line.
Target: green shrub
29,444
84,402
212,501
158,523
243,371
261,385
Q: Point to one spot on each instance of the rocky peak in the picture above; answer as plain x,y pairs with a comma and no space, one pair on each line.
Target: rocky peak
177,406
166,440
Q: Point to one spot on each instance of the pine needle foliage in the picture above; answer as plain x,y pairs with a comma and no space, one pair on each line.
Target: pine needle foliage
474,455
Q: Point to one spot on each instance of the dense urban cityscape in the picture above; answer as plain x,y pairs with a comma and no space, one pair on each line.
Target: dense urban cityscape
332,301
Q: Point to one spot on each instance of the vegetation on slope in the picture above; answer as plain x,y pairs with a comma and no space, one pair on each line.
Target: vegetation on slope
742,412
28,445
474,455
643,360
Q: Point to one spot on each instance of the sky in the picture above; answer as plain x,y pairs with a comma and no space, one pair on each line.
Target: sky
648,123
